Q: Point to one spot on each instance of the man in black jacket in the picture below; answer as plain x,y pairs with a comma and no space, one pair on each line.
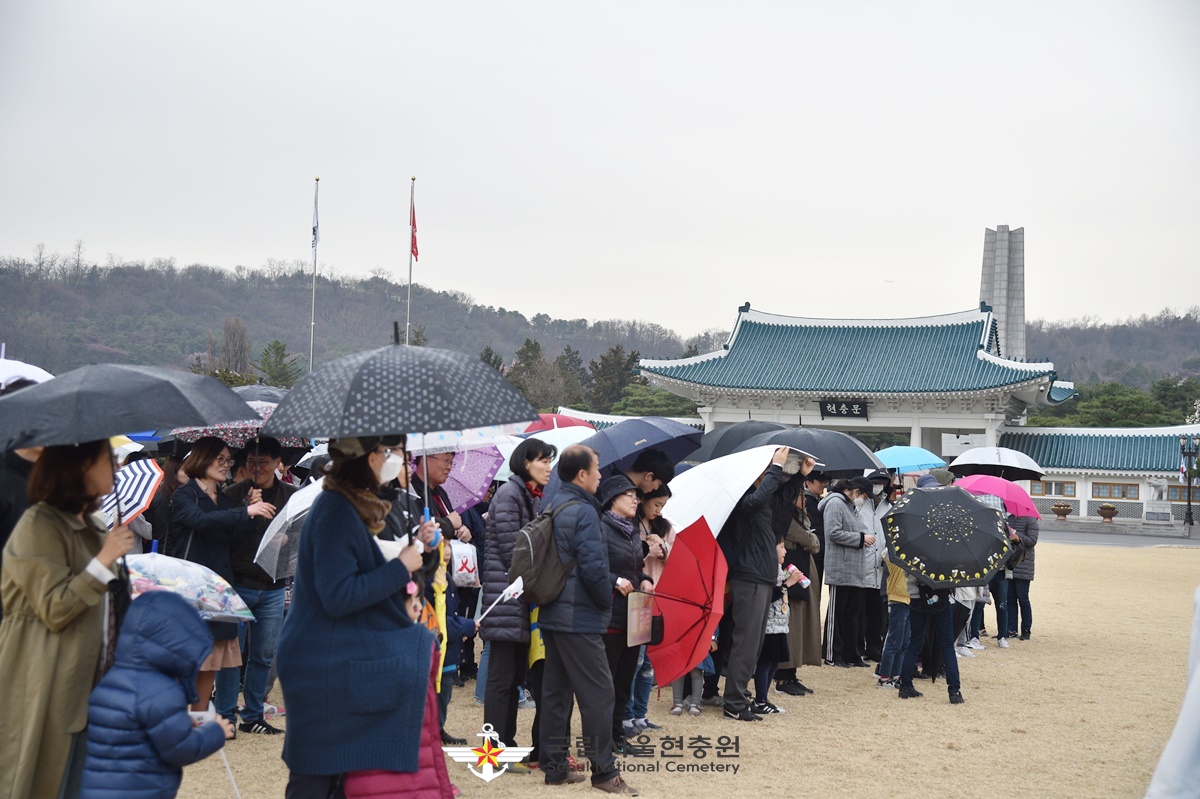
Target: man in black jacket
263,595
753,569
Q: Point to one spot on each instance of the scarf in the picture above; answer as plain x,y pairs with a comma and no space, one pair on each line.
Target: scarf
535,490
623,524
371,509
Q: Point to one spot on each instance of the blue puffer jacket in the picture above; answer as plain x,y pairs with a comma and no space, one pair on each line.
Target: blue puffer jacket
585,604
512,508
140,735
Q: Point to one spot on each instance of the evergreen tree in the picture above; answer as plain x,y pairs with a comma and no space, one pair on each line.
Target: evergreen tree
492,359
278,367
643,400
611,374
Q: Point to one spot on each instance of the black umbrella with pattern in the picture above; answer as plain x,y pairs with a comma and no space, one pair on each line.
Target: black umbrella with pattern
398,389
946,538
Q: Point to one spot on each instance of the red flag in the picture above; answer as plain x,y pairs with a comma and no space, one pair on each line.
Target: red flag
412,222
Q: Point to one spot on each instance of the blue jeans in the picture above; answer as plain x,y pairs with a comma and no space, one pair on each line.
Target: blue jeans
896,643
999,588
1018,602
481,675
643,681
941,624
976,623
267,606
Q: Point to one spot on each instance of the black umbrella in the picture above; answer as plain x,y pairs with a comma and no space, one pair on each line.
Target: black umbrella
723,440
259,392
843,455
946,538
108,399
398,389
618,446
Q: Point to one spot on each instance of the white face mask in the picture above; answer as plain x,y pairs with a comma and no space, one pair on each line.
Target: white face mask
391,468
877,490
858,501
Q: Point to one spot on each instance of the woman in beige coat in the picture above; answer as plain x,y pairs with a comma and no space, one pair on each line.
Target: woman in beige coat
54,587
804,621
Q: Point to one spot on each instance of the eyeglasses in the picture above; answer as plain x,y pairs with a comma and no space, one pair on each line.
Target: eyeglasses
445,457
223,460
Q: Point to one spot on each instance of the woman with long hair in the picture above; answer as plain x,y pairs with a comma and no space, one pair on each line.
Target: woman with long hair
506,627
358,673
205,526
60,622
658,536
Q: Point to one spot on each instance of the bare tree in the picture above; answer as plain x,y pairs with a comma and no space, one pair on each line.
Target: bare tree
235,347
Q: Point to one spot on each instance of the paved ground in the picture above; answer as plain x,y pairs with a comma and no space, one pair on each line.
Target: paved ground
1117,534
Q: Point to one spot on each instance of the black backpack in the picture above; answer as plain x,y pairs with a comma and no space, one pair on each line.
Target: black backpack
535,559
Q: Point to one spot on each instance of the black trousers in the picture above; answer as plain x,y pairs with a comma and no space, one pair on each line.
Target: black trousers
313,786
622,663
468,598
874,623
576,666
533,681
748,626
843,631
507,663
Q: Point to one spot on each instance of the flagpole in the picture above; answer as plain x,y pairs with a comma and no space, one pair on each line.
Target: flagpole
312,333
412,194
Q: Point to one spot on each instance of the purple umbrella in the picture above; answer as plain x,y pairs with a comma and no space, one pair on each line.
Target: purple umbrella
472,475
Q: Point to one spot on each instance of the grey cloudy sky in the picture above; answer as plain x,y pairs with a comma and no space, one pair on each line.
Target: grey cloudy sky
655,160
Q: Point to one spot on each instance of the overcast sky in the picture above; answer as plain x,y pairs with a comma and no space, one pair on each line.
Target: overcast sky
665,161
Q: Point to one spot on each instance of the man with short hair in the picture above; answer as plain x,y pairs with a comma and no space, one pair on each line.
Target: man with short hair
263,595
437,466
650,470
572,627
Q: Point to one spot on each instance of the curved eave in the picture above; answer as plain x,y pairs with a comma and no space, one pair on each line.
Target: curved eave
670,383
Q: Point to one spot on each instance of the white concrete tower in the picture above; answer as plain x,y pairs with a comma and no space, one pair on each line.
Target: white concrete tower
1003,286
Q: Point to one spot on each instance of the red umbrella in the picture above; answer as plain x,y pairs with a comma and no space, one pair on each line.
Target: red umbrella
550,421
690,598
1016,501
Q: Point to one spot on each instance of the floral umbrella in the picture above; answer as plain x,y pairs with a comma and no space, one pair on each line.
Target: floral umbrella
238,434
471,475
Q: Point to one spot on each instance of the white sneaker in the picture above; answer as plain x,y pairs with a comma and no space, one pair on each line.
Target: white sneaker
963,652
975,644
677,710
1002,643
694,709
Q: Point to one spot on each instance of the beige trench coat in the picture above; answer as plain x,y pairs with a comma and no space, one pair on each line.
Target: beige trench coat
49,646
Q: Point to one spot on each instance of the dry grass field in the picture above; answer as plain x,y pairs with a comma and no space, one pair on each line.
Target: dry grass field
1081,710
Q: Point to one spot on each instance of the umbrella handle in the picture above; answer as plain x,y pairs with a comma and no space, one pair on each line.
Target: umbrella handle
672,598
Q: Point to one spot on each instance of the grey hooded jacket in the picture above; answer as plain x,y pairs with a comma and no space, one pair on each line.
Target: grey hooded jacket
847,561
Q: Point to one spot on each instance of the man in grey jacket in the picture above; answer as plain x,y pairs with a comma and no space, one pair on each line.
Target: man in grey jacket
851,569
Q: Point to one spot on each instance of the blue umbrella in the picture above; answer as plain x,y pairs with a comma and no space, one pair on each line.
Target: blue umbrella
618,446
909,459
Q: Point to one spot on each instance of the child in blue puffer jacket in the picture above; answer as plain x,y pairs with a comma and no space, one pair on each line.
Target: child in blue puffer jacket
140,735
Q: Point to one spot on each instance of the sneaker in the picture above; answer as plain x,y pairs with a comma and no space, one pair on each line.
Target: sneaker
694,710
975,644
908,693
620,746
272,710
676,710
519,768
1024,636
616,785
1011,634
631,728
804,687
450,740
261,727
956,698
1002,643
479,701
572,778
885,682
790,687
765,709
647,724
716,700
742,715
527,702
963,652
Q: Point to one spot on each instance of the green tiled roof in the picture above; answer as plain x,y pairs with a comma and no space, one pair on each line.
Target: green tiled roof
1118,450
766,352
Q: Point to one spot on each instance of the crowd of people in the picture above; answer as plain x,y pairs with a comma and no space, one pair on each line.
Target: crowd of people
369,639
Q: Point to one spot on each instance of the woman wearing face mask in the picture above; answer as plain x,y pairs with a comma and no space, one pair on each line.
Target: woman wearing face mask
850,570
506,627
358,672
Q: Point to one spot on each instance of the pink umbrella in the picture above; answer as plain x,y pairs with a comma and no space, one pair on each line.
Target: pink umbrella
1015,499
472,475
237,434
